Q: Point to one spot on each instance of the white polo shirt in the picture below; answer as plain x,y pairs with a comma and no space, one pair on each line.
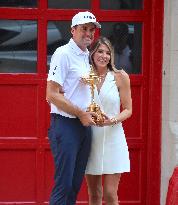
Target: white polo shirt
68,64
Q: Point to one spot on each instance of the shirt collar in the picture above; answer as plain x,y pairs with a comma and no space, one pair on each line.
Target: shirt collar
76,49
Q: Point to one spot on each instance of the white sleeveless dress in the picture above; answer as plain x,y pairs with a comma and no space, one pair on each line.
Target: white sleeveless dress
109,151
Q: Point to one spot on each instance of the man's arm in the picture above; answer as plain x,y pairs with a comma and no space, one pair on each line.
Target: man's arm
54,95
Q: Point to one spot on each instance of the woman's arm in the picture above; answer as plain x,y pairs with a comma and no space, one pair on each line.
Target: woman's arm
123,84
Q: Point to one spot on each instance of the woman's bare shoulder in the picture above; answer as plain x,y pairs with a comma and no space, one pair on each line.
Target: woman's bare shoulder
121,76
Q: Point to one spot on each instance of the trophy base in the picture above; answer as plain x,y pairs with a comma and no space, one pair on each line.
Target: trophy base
96,109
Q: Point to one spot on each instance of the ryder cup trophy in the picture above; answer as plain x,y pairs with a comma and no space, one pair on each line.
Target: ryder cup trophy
92,80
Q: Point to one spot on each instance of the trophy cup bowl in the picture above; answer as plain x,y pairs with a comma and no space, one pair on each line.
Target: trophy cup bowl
92,80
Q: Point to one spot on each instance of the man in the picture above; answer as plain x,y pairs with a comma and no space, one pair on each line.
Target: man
69,133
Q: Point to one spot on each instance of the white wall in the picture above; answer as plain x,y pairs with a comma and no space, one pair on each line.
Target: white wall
169,95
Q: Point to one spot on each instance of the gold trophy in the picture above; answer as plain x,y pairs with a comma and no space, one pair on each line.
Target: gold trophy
92,80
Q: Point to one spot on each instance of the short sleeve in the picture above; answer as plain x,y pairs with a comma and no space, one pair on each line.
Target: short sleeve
58,67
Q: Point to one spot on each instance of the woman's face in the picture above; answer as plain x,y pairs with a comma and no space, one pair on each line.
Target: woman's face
102,56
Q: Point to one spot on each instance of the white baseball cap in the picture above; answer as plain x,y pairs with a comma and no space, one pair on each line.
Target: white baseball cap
84,17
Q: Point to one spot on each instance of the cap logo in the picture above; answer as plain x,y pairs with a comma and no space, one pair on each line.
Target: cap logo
83,18
90,17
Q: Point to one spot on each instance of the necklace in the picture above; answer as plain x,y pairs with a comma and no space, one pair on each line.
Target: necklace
101,81
102,75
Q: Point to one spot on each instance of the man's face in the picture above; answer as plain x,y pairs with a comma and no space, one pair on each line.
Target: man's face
83,35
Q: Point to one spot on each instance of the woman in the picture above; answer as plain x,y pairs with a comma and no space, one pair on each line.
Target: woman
109,155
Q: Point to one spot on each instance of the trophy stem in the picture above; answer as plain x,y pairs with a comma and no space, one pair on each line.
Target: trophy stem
92,93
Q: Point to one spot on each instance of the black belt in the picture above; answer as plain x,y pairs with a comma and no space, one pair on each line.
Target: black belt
55,115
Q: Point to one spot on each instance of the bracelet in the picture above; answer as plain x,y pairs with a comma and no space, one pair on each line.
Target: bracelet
114,121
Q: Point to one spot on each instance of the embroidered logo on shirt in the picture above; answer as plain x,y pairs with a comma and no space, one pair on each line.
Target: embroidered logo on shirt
54,70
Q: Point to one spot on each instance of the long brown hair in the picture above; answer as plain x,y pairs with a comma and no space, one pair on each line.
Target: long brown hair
93,48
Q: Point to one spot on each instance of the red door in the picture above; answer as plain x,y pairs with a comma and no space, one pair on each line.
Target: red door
29,33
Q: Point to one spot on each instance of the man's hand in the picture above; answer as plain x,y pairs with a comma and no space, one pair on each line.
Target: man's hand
86,118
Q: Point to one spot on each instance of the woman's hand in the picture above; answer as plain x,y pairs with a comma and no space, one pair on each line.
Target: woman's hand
107,121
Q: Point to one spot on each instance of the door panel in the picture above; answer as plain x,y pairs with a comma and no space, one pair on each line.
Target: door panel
26,162
17,165
19,110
